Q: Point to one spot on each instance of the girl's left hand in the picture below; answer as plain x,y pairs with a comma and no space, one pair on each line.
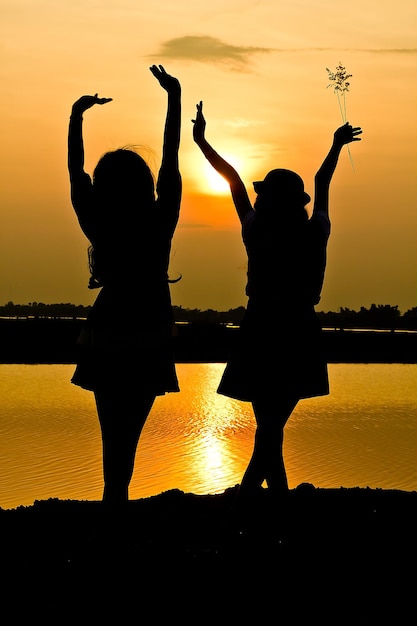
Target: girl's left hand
347,134
199,124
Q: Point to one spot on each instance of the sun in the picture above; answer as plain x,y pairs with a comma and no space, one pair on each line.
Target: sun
212,182
207,181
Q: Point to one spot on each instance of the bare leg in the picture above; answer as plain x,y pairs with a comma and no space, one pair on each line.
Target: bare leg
122,415
267,462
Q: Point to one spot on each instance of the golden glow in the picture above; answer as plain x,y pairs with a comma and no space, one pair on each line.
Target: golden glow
266,104
212,460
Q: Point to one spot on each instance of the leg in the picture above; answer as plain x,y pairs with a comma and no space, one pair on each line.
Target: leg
267,462
122,415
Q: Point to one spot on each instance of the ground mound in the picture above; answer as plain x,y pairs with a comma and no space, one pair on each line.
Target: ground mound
340,556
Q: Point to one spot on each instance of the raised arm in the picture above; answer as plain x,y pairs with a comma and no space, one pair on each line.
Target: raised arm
169,178
75,134
80,181
343,135
237,187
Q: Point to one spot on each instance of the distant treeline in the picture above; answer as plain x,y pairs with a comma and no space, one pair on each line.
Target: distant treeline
378,316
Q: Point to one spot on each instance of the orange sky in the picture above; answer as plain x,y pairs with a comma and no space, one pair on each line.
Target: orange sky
259,67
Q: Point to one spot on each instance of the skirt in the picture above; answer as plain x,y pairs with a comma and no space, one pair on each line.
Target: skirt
144,362
281,356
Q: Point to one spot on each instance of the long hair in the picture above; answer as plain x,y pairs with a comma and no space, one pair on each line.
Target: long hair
123,193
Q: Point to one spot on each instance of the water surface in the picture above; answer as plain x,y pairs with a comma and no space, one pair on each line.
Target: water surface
363,434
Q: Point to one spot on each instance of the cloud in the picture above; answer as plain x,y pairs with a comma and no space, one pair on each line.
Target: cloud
244,123
361,50
392,50
205,48
210,49
187,225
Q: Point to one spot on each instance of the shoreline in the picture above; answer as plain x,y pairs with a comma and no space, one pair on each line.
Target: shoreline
42,340
326,553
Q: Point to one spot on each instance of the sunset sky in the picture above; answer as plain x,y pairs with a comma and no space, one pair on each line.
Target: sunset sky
260,68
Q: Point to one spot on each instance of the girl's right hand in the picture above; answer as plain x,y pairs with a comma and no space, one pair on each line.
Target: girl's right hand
168,82
86,102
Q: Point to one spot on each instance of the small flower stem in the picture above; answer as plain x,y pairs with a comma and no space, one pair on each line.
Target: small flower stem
351,160
340,107
343,114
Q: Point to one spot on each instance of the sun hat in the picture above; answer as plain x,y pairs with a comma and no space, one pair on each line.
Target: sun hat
283,182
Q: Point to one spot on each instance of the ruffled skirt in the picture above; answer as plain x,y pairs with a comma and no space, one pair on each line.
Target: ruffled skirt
122,358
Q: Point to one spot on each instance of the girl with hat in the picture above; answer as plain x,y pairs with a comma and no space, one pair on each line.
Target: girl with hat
278,358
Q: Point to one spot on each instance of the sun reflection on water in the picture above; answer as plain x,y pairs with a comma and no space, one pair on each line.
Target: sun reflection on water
211,459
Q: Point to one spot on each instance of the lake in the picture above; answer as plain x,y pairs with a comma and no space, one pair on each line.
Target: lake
363,434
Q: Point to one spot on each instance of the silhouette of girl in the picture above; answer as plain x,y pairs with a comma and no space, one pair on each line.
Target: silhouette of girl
279,357
125,347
